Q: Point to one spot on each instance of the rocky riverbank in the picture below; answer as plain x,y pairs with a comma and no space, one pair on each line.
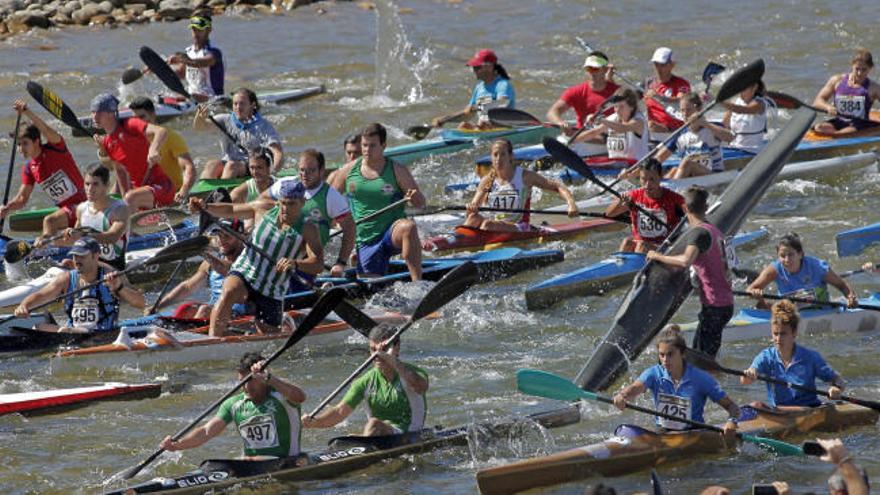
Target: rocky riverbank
18,16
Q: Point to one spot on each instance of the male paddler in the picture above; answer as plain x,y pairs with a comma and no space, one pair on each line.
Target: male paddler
91,310
260,168
266,414
324,206
373,182
394,392
201,65
50,165
255,279
585,98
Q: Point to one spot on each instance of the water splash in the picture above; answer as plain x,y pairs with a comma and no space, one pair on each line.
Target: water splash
400,66
521,439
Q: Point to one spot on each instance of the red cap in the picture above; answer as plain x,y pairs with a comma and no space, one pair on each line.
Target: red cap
484,56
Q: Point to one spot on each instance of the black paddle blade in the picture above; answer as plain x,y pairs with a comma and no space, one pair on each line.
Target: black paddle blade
131,75
16,251
328,302
741,79
180,250
165,74
656,484
783,100
452,285
564,155
56,106
358,320
701,360
418,132
511,117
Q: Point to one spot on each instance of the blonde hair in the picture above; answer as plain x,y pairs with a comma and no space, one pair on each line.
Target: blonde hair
784,312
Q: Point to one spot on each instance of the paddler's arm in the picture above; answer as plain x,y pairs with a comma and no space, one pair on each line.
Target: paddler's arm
118,222
189,176
852,299
187,287
618,207
482,193
277,157
555,115
196,437
733,413
243,211
239,194
453,117
123,290
18,202
349,232
406,182
628,393
754,107
55,288
331,416
313,262
290,391
683,260
157,135
836,454
721,133
337,178
825,98
765,278
535,179
594,133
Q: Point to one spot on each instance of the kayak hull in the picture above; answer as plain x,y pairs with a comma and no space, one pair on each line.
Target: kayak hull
52,401
853,242
454,140
472,239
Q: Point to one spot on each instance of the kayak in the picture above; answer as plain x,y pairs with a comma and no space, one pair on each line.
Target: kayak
852,242
152,344
659,290
491,265
49,401
453,140
754,324
633,448
466,238
610,273
344,455
168,108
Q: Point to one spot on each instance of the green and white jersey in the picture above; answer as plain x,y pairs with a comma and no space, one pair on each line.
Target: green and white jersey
272,428
253,192
279,243
391,402
100,220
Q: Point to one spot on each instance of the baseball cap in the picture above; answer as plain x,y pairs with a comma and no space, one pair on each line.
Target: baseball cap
290,189
233,223
484,56
105,102
595,61
84,246
199,22
662,55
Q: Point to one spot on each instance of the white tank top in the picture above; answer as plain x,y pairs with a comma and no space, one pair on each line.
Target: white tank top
511,195
628,144
749,128
100,221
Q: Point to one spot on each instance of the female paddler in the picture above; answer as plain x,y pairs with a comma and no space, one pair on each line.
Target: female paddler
799,275
493,90
787,361
509,187
626,131
848,98
746,118
679,389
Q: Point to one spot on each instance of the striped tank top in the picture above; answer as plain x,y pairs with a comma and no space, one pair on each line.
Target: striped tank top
258,271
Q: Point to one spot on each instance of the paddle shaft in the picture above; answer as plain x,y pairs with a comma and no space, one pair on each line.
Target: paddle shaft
534,212
165,287
11,166
808,301
856,272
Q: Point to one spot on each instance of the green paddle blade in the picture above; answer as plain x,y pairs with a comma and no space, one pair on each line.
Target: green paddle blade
543,384
776,446
452,285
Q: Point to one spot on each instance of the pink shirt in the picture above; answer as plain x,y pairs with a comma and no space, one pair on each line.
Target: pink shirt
711,269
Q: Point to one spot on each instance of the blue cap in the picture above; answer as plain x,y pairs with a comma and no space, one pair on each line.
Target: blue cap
291,189
105,102
84,246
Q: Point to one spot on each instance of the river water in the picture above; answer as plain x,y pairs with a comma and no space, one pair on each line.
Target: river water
411,70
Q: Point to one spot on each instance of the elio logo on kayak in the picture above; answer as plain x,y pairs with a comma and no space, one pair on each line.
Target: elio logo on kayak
341,454
202,479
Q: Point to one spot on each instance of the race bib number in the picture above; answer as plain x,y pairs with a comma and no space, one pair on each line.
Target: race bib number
616,145
850,106
674,405
506,200
649,228
85,313
107,252
259,432
59,187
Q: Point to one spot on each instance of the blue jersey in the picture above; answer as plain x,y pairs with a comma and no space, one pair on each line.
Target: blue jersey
486,94
810,278
94,309
806,365
687,399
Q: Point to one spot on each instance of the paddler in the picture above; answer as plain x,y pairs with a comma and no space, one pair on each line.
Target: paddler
266,414
201,65
665,204
509,187
799,275
92,310
668,88
585,98
50,165
248,129
352,147
746,118
324,206
255,279
373,182
625,132
699,147
136,145
394,392
705,252
787,361
175,159
493,90
678,388
211,274
260,168
848,98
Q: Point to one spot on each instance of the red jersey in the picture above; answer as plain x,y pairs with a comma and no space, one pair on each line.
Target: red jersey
669,208
656,112
56,173
128,145
584,100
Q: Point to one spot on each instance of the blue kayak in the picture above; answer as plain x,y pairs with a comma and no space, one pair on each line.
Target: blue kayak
453,140
612,272
852,242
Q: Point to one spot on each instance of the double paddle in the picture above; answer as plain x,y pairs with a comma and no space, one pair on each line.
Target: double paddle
11,167
807,300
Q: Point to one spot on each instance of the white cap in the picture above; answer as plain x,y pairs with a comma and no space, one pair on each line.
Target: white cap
662,55
595,61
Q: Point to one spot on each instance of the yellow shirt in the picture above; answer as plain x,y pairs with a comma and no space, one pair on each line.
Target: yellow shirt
173,147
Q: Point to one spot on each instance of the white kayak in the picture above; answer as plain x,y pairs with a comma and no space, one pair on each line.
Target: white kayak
45,401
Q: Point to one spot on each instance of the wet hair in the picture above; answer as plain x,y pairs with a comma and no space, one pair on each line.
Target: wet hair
792,241
652,165
784,312
671,335
250,95
864,56
694,98
317,155
628,96
29,131
375,129
381,333
506,142
142,103
352,139
261,154
248,361
696,199
100,171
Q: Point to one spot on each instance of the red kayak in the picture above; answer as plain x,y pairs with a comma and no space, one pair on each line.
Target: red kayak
473,239
46,401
